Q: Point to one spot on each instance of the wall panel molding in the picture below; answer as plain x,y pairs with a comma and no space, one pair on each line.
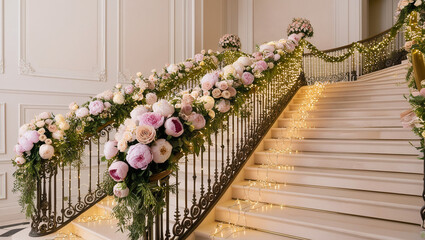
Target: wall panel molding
124,76
22,114
28,68
3,185
2,128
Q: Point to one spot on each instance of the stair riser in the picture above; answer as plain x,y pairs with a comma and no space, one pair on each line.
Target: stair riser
353,105
353,164
344,205
283,226
386,83
347,123
346,134
351,113
362,88
300,99
378,185
344,147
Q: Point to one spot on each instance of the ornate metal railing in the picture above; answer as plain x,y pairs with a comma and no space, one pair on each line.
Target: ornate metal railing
317,68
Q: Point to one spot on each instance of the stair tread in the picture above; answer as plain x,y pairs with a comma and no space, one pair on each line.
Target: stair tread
346,173
105,229
350,129
387,141
358,109
207,231
405,201
348,224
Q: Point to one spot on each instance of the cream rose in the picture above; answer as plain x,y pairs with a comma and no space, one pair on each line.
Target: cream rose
145,134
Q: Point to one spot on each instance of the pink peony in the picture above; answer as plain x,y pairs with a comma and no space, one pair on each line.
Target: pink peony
223,106
232,91
260,66
139,156
118,171
129,89
186,109
294,38
26,144
161,150
32,136
18,149
208,81
197,120
257,56
81,112
152,119
247,78
96,107
173,127
121,190
46,151
188,65
199,57
138,111
110,150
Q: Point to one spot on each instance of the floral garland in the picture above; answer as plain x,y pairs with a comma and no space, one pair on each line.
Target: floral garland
85,120
302,26
230,41
158,134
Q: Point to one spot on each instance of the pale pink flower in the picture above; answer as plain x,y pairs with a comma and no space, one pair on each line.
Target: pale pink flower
163,107
110,149
161,150
223,106
118,170
46,151
153,119
139,156
20,160
121,190
82,112
32,136
197,120
151,98
173,127
96,107
145,134
247,78
26,144
138,111
216,93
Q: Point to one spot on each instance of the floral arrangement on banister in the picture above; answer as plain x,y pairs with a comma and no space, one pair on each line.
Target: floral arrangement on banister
158,134
61,139
300,26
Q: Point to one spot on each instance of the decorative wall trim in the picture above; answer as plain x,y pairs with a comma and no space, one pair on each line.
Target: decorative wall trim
3,185
43,107
2,128
25,67
122,76
2,36
46,93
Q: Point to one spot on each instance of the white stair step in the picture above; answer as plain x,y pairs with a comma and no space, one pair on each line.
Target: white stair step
349,92
101,230
359,97
315,224
402,183
352,113
346,146
397,82
356,104
346,122
401,73
354,161
353,87
400,68
348,133
207,232
388,206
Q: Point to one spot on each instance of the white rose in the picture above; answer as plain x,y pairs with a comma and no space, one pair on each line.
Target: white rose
418,3
118,98
266,48
82,112
46,151
40,124
246,61
161,150
208,102
163,107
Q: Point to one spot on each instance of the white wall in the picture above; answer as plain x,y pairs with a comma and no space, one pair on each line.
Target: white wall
381,15
53,52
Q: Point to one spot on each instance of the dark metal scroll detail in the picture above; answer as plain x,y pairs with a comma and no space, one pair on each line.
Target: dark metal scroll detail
54,198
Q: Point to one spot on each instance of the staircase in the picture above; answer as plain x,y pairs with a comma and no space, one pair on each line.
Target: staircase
355,174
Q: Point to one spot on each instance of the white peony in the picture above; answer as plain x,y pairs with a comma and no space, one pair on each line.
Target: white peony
245,61
57,135
208,102
172,68
118,98
20,160
82,112
161,150
163,107
229,70
266,48
46,151
137,111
